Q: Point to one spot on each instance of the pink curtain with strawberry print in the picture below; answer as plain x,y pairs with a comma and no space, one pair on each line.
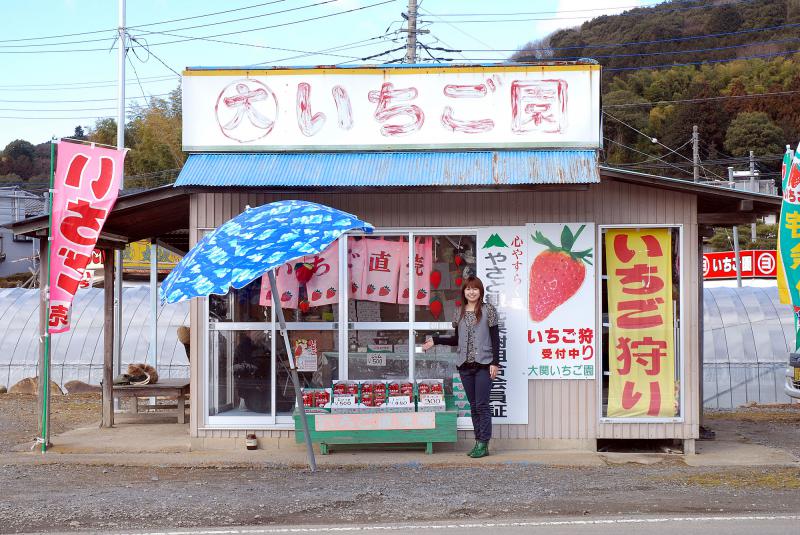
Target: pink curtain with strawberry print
382,269
356,261
288,287
423,258
323,288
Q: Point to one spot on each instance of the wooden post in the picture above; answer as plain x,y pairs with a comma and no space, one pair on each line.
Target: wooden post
108,338
43,282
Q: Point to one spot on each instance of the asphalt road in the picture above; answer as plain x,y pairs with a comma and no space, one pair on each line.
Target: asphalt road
777,524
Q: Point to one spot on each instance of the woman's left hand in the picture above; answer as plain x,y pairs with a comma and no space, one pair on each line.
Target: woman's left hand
493,371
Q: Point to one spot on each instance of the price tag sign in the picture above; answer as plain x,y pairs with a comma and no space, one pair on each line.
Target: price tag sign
376,359
340,402
431,399
398,401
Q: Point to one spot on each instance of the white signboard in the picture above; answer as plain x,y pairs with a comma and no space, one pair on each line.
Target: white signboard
392,108
502,260
561,311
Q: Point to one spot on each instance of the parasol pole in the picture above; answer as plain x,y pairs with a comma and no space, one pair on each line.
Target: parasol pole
312,463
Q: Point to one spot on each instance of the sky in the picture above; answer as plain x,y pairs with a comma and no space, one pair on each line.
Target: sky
57,75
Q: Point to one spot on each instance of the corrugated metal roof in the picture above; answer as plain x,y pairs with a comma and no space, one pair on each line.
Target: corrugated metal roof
390,168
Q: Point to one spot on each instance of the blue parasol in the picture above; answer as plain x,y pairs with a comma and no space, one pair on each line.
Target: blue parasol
254,243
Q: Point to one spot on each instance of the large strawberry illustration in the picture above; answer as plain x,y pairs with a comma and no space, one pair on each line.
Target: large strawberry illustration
421,293
287,296
384,291
556,274
370,289
330,292
316,295
405,294
353,287
794,176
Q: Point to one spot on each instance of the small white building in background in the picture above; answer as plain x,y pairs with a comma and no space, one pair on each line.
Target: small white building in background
18,254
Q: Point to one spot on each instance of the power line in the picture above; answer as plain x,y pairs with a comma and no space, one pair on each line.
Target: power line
224,34
80,100
643,153
757,56
658,41
654,140
140,25
580,17
609,8
703,99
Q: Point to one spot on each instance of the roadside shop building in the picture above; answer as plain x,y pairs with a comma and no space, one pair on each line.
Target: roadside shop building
487,170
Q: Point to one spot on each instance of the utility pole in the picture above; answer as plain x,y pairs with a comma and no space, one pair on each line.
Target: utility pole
753,188
411,39
695,154
121,52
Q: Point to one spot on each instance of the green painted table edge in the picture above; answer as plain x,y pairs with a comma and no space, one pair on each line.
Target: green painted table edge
445,431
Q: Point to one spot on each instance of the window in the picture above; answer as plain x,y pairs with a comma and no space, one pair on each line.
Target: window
641,307
389,308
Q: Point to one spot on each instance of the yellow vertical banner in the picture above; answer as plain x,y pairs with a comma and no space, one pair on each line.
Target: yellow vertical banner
641,341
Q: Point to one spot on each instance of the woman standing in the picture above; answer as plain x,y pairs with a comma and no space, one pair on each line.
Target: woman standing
477,337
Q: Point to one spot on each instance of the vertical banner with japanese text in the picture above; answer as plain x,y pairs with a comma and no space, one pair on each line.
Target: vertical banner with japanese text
423,259
641,341
86,185
501,265
789,237
323,287
561,310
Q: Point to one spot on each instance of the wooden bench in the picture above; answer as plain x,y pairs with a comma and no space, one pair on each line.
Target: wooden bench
379,428
163,388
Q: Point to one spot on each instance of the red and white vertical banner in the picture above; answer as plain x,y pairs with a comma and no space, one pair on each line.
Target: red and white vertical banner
382,269
87,182
423,259
288,288
323,287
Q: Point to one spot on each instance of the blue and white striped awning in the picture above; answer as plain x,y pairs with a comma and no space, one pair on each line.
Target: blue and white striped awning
341,169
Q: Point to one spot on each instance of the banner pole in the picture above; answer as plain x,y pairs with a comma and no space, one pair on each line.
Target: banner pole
45,372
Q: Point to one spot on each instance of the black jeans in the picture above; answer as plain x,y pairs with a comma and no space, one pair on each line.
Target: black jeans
478,383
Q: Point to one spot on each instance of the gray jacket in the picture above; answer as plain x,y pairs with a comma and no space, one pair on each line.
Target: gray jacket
486,352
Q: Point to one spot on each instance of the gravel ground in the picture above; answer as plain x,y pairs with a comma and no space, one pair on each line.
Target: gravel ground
19,416
59,498
72,497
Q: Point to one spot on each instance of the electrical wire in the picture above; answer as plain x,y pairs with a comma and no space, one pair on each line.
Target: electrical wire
141,25
224,34
643,153
702,99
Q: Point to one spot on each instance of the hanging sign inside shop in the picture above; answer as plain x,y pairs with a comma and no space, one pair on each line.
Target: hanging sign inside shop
305,353
86,184
390,108
378,272
641,332
561,310
501,262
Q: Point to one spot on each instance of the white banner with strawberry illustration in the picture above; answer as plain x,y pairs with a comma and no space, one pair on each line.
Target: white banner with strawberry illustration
561,338
323,286
501,264
382,269
423,258
288,288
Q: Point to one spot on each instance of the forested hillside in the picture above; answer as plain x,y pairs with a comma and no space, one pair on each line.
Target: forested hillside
730,67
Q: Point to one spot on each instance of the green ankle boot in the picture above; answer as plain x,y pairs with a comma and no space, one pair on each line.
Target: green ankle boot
473,450
481,450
